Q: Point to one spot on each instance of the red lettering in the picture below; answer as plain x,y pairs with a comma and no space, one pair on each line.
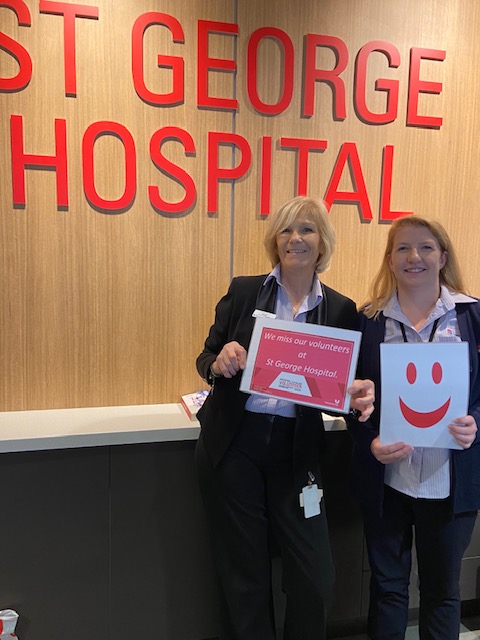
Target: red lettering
330,77
92,133
389,86
205,64
416,86
349,154
15,49
69,13
22,161
172,170
287,80
386,188
303,146
266,175
217,174
175,63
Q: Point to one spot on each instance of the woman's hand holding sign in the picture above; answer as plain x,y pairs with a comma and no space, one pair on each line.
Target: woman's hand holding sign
362,397
464,430
231,359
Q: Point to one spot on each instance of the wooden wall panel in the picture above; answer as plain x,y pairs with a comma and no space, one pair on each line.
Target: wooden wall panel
99,309
434,171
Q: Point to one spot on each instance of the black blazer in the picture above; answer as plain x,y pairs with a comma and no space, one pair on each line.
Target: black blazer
223,409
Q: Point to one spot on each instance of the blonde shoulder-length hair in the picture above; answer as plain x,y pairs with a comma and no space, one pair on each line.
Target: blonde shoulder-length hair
316,211
384,284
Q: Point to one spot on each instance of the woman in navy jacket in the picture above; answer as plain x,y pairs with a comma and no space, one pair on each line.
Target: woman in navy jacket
417,296
255,454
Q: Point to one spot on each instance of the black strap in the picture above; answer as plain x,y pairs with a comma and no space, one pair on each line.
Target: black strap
432,333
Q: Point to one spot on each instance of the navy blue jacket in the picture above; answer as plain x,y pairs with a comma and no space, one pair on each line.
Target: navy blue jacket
367,472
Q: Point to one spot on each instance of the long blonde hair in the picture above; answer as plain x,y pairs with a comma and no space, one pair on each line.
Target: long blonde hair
385,284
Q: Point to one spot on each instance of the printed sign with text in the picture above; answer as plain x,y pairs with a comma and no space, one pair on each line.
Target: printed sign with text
304,363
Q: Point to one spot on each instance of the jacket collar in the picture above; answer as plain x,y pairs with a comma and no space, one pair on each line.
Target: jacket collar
267,296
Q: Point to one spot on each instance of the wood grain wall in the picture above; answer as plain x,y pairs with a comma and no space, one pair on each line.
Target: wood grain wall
107,309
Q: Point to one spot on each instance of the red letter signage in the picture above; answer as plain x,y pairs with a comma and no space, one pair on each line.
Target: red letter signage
176,95
69,13
215,173
15,49
169,168
416,86
22,161
287,79
93,132
205,63
389,86
349,154
332,77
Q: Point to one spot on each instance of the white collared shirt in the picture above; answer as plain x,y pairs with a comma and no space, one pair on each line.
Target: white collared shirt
284,311
426,472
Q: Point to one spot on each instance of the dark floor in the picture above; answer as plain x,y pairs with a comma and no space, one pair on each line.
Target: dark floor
470,630
470,627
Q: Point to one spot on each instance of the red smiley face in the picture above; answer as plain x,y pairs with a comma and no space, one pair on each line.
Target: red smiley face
423,419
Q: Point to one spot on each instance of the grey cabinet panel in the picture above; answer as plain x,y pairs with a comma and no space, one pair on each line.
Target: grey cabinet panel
473,548
54,543
160,561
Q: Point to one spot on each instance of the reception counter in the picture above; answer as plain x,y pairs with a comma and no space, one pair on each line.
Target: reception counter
94,426
100,426
103,534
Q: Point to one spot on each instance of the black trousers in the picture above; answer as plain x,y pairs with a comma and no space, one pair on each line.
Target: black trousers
440,541
248,498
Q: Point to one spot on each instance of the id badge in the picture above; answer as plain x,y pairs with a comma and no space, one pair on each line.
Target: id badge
310,499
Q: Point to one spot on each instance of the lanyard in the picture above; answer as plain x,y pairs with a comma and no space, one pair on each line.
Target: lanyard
432,333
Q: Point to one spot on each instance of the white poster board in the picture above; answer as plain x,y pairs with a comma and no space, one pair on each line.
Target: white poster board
425,386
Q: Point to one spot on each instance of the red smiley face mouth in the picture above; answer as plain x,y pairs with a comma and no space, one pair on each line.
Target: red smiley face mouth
424,419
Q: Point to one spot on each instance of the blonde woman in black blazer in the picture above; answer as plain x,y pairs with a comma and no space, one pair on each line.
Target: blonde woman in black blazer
255,455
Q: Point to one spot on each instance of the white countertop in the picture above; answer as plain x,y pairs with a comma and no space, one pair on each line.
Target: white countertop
100,426
94,426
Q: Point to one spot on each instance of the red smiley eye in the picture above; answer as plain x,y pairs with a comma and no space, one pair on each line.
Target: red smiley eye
437,372
411,372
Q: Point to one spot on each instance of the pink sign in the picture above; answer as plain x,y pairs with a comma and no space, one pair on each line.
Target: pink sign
304,363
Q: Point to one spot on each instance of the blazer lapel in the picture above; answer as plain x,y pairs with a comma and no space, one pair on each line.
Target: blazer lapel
267,295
